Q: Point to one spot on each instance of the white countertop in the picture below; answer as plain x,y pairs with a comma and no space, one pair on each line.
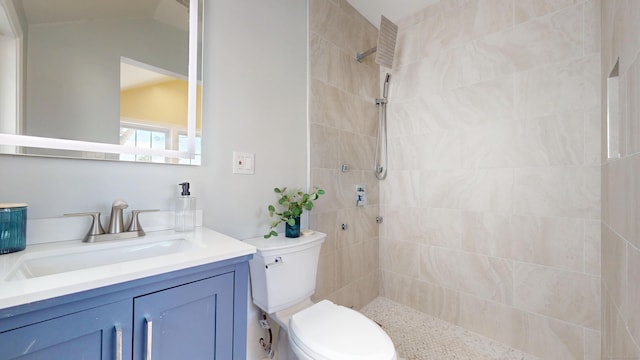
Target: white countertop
204,246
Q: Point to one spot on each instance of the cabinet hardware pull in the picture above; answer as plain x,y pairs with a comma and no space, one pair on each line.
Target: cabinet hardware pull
149,338
118,343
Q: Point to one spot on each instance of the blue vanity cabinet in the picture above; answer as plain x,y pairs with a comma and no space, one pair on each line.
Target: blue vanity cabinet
192,321
102,333
193,313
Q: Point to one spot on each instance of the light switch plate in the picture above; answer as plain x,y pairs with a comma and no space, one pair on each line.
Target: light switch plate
243,163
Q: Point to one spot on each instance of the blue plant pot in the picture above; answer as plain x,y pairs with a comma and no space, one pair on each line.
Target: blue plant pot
292,231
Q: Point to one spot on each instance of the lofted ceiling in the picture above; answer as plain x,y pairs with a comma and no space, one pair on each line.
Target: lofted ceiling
394,10
170,12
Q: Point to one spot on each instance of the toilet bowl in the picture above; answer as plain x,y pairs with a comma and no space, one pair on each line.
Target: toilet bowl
283,278
326,331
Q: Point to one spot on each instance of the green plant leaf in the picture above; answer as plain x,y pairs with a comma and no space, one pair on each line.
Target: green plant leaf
278,190
320,192
291,221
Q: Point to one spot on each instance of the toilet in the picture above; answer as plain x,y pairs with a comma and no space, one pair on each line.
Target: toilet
283,278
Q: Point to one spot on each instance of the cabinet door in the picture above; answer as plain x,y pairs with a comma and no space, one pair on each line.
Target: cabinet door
192,321
100,333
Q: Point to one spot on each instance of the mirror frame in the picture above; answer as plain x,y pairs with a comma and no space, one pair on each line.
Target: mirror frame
86,146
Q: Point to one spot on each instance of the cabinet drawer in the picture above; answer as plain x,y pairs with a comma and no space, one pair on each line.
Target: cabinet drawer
85,335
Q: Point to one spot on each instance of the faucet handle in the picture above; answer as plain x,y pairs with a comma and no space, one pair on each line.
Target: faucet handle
135,222
96,227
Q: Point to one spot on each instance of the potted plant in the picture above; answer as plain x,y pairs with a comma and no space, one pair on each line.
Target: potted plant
292,204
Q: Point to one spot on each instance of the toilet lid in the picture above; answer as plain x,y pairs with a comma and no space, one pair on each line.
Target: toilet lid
329,331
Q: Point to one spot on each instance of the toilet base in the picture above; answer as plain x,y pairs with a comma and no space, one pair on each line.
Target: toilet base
284,350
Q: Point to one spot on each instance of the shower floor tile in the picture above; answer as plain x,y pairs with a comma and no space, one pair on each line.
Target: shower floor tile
418,336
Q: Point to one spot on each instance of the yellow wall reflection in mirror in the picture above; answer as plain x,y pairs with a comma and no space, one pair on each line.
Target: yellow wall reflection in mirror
163,104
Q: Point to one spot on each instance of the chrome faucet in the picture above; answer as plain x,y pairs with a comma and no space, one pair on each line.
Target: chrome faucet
116,229
116,222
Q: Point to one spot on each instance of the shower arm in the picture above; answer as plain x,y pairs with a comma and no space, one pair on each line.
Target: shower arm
361,56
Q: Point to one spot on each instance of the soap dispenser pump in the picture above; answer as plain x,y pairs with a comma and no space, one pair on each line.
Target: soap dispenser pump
185,209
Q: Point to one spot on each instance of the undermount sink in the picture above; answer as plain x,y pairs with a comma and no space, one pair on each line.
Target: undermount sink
93,255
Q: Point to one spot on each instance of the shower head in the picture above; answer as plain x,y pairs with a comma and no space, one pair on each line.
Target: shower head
386,44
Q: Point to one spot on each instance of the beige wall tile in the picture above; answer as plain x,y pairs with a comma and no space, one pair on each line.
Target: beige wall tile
614,267
554,242
330,106
327,223
632,77
621,204
366,289
400,257
326,281
463,24
441,227
552,140
326,179
346,29
472,190
592,133
563,295
592,348
592,247
438,301
483,276
325,142
558,191
481,103
405,51
541,41
408,118
538,335
399,288
402,224
357,150
592,28
626,30
617,342
332,65
527,10
400,189
555,88
632,312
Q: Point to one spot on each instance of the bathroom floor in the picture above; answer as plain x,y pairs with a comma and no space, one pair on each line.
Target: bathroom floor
418,336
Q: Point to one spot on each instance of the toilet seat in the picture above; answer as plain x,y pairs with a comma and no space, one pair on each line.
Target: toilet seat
326,331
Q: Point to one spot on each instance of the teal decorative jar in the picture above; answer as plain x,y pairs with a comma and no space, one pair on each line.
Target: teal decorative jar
13,227
292,231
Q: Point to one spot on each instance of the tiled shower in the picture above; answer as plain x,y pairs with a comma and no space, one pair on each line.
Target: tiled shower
492,207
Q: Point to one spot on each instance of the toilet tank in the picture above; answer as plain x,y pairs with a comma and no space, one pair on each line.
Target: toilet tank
283,270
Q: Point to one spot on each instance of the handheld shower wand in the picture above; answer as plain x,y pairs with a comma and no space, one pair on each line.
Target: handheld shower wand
380,168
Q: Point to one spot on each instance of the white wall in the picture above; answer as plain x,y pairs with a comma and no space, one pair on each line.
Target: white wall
254,100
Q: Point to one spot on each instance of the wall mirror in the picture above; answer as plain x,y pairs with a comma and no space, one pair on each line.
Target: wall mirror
101,79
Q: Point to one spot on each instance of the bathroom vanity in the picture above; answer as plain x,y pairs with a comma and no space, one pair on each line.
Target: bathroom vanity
189,303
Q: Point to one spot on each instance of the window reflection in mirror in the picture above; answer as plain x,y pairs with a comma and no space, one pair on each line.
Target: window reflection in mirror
153,110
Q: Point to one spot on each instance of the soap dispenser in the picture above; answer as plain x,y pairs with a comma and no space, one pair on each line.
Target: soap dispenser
185,209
